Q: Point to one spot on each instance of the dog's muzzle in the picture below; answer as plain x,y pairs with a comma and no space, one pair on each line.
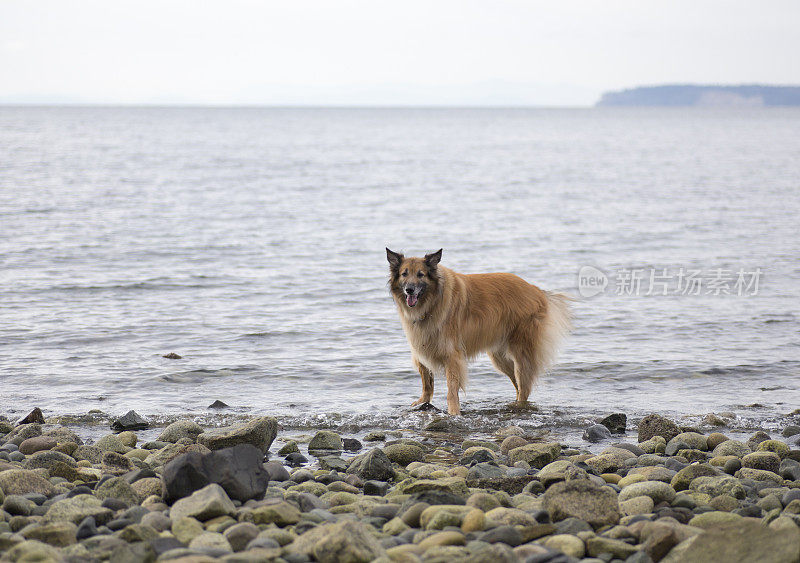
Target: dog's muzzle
412,294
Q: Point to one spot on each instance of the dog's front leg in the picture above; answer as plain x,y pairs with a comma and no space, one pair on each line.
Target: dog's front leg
427,384
456,373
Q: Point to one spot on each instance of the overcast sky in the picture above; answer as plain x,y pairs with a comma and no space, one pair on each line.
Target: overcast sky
375,52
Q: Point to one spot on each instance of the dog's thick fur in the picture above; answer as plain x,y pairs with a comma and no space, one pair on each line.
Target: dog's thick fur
450,318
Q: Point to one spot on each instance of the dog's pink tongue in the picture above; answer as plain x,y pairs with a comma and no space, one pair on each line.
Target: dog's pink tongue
411,300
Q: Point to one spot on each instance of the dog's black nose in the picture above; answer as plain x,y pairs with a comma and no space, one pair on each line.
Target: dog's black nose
410,290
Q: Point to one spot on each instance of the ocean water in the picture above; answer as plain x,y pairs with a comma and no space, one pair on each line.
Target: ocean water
251,242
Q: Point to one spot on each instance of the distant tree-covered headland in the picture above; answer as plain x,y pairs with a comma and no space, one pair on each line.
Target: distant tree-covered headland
753,95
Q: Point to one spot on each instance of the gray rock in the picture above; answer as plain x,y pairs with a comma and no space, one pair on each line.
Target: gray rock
372,465
403,454
449,424
75,509
32,550
595,505
332,462
597,433
276,471
537,454
180,429
682,479
111,443
732,466
58,534
508,535
117,488
23,432
163,456
24,481
758,475
351,444
657,425
92,454
790,469
791,430
485,471
130,421
47,459
259,432
757,438
348,541
239,535
673,447
62,434
768,461
17,505
731,447
289,447
716,486
325,440
37,444
743,541
572,526
692,439
209,502
114,463
656,490
633,448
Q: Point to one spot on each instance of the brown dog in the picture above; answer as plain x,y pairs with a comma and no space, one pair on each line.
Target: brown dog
450,318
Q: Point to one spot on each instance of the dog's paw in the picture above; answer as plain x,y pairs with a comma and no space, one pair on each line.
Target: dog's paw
424,406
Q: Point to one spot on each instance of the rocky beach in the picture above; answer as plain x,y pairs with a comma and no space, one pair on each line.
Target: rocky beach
639,491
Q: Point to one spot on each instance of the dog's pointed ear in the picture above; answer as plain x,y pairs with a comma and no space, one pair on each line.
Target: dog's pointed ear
432,260
394,259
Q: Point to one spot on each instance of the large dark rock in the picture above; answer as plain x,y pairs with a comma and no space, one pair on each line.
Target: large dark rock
130,421
372,465
238,470
34,416
616,422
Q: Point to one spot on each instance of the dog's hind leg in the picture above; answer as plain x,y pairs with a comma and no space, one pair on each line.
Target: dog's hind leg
427,384
456,373
504,365
525,374
523,350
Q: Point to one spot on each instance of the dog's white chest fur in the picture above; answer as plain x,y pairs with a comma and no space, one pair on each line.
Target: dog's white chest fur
425,341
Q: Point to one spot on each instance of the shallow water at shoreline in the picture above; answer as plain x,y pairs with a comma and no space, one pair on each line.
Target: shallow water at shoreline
251,242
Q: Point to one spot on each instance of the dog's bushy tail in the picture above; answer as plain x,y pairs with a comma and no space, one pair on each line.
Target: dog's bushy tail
553,330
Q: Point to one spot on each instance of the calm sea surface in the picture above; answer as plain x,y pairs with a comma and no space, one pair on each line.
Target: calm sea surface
251,242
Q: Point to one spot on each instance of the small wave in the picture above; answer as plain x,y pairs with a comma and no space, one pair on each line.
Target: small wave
29,211
197,375
270,334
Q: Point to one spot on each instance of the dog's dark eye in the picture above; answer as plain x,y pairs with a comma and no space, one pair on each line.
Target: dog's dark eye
421,275
404,274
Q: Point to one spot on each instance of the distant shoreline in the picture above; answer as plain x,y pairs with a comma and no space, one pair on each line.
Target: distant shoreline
695,95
